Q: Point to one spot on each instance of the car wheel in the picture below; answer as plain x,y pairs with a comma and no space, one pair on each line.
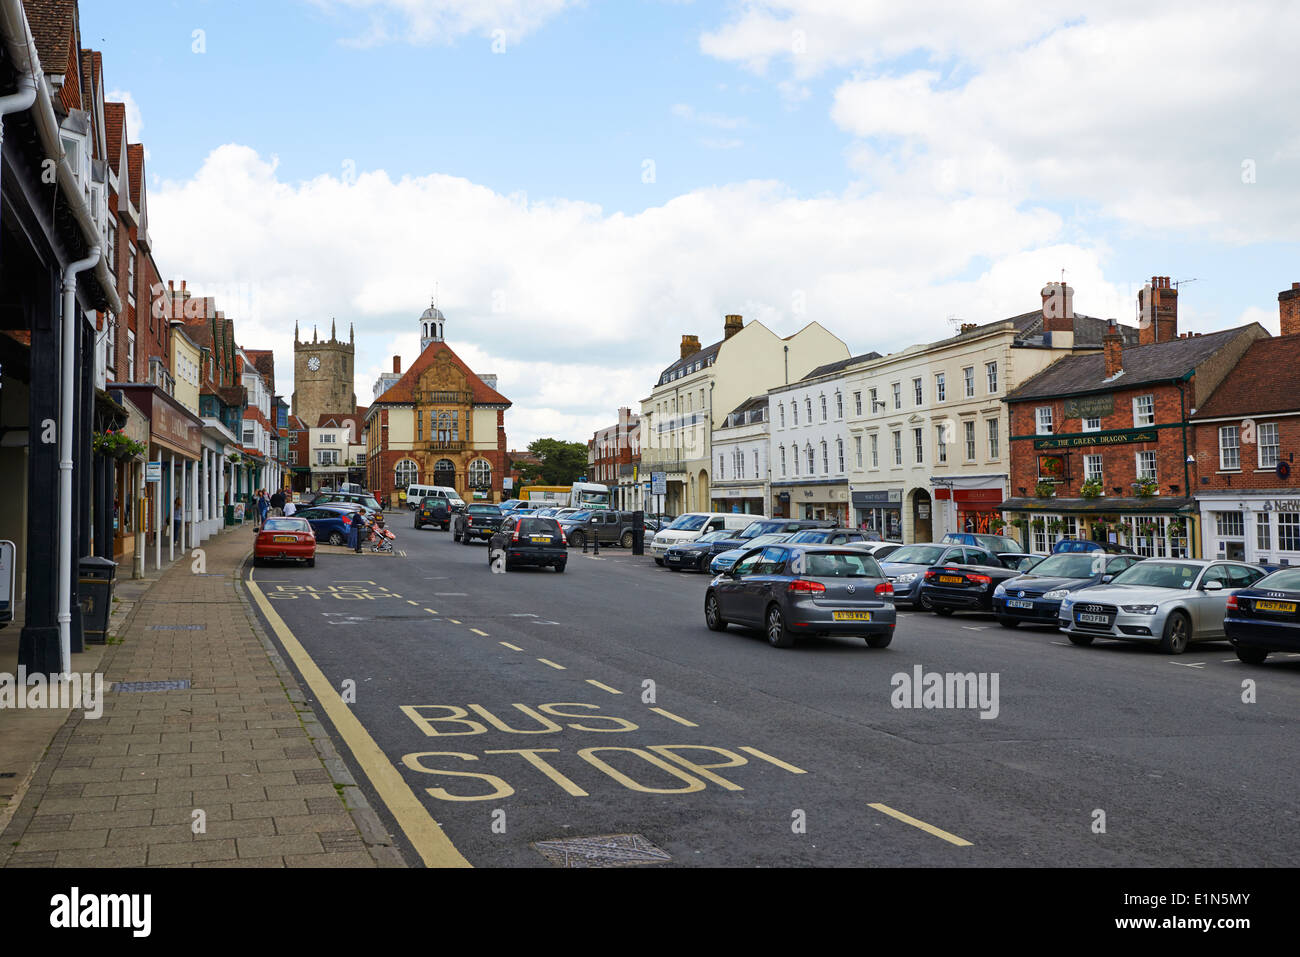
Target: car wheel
1251,656
713,615
559,566
577,539
257,562
945,612
778,636
880,641
464,538
626,540
336,538
1177,633
311,563
923,602
1080,640
1008,623
659,562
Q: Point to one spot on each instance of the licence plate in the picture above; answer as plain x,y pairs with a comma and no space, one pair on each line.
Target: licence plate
1284,606
1019,603
540,538
951,579
852,616
1093,619
284,538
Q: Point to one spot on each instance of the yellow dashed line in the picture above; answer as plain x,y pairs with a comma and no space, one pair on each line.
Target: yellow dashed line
453,621
431,611
552,664
928,828
510,646
672,717
409,602
483,633
603,687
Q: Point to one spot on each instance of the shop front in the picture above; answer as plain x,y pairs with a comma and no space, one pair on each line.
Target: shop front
744,498
826,501
1156,527
1252,526
128,485
970,509
879,511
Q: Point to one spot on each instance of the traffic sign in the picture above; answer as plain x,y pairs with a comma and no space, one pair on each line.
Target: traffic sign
658,483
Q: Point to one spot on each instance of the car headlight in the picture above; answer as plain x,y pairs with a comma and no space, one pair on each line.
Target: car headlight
1140,609
1000,591
906,579
1058,593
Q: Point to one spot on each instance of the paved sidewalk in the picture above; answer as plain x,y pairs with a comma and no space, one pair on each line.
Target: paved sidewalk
238,749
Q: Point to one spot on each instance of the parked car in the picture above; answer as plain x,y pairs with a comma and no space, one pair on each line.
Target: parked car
1035,598
906,567
330,523
433,511
967,586
607,526
1166,602
722,561
692,525
698,553
529,540
829,536
355,498
1019,561
770,526
990,543
1265,617
791,591
477,521
415,494
285,540
878,550
510,504
1085,545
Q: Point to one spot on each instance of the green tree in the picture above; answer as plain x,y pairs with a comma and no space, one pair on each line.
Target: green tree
563,463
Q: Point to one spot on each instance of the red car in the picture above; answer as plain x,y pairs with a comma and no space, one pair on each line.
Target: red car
285,540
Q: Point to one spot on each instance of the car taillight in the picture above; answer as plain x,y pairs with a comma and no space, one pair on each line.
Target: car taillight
346,520
515,536
979,579
885,588
802,584
1232,603
469,521
929,576
564,539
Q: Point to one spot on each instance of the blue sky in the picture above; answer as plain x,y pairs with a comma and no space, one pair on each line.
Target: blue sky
891,166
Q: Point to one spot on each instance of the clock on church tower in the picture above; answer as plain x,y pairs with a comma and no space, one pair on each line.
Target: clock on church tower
323,376
314,363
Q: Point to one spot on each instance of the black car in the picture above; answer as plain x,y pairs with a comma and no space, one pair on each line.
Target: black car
1265,617
698,553
433,511
1035,598
949,588
607,526
477,521
828,536
529,540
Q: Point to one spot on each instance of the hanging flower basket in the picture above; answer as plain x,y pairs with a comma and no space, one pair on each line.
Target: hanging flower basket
117,445
1091,489
1177,529
1018,523
1145,488
1045,489
1038,524
996,525
1056,526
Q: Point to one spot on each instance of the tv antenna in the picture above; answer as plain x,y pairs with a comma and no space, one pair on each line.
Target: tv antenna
1178,282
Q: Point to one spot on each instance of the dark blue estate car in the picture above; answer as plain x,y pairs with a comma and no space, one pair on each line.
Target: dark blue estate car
1265,617
1035,598
330,523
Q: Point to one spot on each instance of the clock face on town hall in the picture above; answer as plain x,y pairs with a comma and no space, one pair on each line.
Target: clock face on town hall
323,380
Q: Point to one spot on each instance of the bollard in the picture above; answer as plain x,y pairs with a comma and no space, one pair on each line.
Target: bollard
595,545
584,543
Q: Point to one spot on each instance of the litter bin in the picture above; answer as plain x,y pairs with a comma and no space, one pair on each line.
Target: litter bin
96,594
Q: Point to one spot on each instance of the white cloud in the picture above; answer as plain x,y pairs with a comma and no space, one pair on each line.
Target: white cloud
575,309
444,21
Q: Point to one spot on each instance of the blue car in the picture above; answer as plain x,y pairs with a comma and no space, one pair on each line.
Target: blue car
1084,545
330,523
1265,617
723,561
1035,598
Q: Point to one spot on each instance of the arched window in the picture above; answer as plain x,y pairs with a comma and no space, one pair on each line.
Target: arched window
480,474
406,473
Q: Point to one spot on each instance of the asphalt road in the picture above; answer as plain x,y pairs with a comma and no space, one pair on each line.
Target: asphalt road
535,706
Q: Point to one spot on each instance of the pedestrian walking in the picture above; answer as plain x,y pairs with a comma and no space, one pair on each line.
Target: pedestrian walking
289,507
263,506
177,517
277,502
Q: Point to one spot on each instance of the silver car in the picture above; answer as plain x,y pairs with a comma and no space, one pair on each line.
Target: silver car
1169,603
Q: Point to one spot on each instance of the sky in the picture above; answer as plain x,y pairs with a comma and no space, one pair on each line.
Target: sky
582,182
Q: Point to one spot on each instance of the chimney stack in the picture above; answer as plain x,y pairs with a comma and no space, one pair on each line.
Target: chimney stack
397,365
732,325
1113,349
1288,306
1157,312
690,345
1058,315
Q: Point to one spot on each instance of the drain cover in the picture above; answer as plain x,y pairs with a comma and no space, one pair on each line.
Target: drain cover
143,687
177,628
608,850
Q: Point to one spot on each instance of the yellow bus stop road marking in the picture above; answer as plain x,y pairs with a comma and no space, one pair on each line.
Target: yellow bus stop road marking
428,839
928,828
431,611
672,717
603,687
552,664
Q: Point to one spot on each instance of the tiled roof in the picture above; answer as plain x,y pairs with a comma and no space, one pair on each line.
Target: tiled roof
403,390
753,402
135,163
1266,379
51,23
1160,362
840,364
115,127
264,362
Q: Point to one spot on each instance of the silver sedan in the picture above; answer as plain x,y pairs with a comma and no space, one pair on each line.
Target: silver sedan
1169,603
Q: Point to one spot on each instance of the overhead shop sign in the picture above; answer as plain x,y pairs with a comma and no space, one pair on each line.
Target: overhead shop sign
1086,440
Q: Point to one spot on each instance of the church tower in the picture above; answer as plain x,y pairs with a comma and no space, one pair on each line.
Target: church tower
323,375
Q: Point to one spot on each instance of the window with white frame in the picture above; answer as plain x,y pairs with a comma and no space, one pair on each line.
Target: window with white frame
783,461
1146,466
130,356
1269,450
1043,418
328,437
871,397
875,451
757,474
1263,533
898,448
1092,468
808,406
918,398
1288,531
941,446
940,387
969,428
722,470
781,409
857,403
480,474
839,453
826,459
327,457
406,473
1230,524
918,442
794,413
993,440
110,347
794,455
823,398
130,273
1092,424
1229,448
1144,411
898,395
839,405
812,459
968,380
857,450
991,369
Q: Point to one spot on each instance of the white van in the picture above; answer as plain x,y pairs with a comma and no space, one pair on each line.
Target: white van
688,527
415,494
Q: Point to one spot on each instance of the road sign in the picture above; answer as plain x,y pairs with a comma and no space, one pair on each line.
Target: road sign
153,472
658,483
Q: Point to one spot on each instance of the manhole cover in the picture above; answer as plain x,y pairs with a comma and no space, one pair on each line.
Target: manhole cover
144,687
608,850
177,628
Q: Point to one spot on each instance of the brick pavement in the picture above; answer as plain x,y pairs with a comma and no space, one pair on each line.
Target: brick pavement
240,745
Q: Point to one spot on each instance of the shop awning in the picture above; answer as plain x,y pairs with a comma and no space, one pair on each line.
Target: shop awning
1155,505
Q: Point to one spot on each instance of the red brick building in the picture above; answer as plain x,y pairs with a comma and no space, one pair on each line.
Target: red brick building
612,454
1100,445
1247,435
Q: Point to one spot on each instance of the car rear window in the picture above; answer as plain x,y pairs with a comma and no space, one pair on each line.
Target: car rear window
286,525
1286,580
538,526
484,510
836,565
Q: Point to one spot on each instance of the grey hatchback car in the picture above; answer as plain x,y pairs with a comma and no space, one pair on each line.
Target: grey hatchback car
791,591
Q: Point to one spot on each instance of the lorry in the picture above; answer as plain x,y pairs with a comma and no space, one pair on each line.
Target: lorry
577,495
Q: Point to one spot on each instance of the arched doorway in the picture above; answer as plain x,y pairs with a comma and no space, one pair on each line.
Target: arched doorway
444,473
922,516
